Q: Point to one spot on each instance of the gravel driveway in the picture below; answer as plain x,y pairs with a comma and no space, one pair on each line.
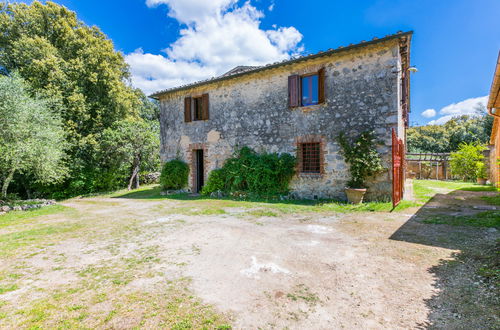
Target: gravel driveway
124,263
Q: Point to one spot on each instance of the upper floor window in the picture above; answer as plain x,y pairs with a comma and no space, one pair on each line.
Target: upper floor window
305,90
309,88
196,108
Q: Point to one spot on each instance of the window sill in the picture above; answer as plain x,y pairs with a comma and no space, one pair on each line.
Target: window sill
310,175
308,108
196,121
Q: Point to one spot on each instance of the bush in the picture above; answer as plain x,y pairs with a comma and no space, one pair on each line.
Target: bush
174,175
481,170
464,162
215,182
263,174
362,157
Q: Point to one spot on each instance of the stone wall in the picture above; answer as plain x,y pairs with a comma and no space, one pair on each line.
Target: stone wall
363,92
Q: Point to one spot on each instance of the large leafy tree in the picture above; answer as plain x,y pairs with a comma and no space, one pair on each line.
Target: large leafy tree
32,140
449,136
62,57
76,66
127,148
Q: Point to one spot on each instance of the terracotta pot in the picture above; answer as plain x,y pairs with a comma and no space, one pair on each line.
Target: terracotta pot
481,181
355,195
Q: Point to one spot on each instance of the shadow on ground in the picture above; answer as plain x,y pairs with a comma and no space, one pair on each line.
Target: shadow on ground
467,284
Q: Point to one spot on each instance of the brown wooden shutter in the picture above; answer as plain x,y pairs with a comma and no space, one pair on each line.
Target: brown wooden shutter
321,85
205,105
294,90
187,109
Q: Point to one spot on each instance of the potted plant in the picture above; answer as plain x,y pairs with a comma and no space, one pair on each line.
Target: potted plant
364,161
481,173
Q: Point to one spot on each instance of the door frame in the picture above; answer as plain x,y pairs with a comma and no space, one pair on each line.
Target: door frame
199,168
192,161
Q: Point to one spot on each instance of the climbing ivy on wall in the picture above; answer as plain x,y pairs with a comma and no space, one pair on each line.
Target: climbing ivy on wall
263,174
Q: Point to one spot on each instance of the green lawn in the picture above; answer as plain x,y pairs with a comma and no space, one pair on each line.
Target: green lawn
282,206
488,219
424,190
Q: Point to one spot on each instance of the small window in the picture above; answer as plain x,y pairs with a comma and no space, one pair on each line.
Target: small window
309,87
311,158
197,108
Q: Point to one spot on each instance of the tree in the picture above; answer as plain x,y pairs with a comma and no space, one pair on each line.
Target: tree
129,146
430,138
75,66
466,160
449,136
32,139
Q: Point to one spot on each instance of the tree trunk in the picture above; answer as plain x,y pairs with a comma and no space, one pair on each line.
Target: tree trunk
135,173
26,188
6,183
137,180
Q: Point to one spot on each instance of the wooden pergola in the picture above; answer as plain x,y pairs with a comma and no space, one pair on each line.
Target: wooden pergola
432,159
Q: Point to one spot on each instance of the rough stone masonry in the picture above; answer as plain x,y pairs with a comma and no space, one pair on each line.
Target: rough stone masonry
365,88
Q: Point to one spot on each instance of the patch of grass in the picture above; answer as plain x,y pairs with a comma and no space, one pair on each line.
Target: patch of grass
479,188
302,292
110,315
12,241
454,185
16,217
423,192
490,219
208,211
262,213
212,206
169,306
8,288
493,200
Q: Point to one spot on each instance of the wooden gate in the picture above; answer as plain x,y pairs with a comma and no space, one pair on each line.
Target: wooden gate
398,153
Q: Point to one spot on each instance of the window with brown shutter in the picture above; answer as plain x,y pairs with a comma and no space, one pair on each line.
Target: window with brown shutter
205,107
187,109
306,90
321,85
197,108
293,91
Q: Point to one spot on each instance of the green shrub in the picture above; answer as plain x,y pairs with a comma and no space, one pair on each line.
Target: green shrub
481,170
464,162
362,157
215,182
263,174
174,175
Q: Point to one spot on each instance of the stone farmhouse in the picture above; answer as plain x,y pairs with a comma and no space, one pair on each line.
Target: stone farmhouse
298,106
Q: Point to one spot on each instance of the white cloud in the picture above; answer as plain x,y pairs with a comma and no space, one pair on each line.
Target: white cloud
217,36
429,113
465,107
191,11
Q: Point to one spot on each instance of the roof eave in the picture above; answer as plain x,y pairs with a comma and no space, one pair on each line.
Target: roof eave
284,63
493,100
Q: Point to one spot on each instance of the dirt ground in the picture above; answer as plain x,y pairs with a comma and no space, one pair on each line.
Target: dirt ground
123,263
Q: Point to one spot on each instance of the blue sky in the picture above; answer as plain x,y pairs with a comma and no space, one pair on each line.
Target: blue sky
171,42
